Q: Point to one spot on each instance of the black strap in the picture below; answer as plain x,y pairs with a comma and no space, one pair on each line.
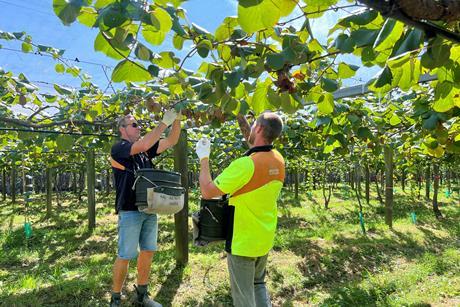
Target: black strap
258,149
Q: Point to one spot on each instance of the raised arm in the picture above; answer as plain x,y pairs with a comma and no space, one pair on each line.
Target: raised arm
145,143
172,137
244,127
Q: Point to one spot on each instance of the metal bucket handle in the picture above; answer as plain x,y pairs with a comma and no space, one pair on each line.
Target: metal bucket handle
137,178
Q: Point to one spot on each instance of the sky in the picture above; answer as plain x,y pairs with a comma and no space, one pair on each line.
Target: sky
36,18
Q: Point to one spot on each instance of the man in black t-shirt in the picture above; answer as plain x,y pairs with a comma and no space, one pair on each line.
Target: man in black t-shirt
136,229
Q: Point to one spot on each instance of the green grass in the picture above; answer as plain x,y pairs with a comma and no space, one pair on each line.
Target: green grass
320,256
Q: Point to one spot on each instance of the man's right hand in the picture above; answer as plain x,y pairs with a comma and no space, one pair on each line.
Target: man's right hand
169,117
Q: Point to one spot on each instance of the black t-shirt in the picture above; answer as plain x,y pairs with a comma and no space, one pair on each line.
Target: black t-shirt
124,180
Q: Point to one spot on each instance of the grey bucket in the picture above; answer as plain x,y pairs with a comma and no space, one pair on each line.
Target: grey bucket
160,178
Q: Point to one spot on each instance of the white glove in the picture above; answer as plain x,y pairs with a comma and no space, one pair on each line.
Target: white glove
169,117
203,148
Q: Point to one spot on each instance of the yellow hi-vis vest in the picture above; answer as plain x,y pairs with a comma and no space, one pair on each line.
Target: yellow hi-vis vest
254,183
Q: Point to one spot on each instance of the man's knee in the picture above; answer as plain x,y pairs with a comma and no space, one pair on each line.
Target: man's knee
147,253
127,254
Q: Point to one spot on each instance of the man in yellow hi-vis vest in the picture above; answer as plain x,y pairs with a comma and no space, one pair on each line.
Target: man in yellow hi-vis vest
254,183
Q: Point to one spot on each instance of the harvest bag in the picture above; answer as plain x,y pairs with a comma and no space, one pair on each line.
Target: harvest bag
213,219
158,191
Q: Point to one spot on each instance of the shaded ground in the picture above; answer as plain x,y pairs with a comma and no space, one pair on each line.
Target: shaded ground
320,257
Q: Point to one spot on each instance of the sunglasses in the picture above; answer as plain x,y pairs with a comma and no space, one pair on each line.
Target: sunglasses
134,125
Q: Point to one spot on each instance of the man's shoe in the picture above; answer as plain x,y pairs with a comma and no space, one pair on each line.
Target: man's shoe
143,298
115,301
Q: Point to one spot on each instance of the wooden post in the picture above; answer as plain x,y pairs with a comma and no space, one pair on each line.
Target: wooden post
107,181
427,181
181,218
4,184
436,175
74,182
367,183
352,178
296,183
49,188
388,155
403,179
91,181
13,184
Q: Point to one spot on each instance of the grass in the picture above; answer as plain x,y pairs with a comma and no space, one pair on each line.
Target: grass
320,256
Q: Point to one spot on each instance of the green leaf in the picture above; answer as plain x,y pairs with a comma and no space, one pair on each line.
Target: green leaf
286,6
233,79
64,142
229,104
59,68
411,41
443,104
364,133
259,101
177,27
389,35
407,74
178,41
315,9
344,43
26,47
329,85
98,108
443,89
68,10
166,60
153,70
204,90
200,30
428,61
347,71
143,53
384,78
323,121
255,15
275,61
385,31
288,103
331,144
203,48
431,122
274,98
358,18
73,70
364,37
315,46
62,90
111,16
440,51
101,44
395,120
225,30
161,25
50,98
130,71
88,16
102,3
326,103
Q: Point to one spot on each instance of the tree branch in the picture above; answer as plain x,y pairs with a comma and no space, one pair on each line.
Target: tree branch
387,9
25,123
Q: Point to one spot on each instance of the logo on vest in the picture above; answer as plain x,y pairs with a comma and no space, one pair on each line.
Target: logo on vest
273,171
